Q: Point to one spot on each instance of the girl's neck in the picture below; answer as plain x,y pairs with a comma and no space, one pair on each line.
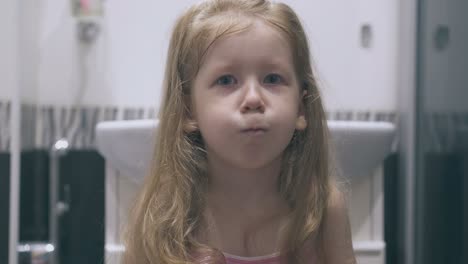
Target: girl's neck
244,189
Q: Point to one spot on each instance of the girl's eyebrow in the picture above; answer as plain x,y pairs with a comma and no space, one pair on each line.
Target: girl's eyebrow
278,65
226,66
222,66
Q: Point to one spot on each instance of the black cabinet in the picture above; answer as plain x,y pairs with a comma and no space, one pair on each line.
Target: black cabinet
82,227
4,205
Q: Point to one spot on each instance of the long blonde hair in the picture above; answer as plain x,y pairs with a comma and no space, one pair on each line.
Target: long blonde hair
168,211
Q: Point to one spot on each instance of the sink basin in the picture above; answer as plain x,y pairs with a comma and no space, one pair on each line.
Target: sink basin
359,146
127,145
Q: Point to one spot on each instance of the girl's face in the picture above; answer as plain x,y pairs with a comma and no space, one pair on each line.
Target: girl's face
246,98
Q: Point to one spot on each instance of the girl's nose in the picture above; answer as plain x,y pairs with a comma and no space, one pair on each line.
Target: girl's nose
253,100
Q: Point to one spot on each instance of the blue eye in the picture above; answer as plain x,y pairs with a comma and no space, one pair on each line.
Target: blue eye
273,79
226,80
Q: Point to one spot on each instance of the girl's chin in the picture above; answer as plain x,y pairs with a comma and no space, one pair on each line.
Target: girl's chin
254,163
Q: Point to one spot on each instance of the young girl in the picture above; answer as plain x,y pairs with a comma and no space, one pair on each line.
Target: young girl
240,172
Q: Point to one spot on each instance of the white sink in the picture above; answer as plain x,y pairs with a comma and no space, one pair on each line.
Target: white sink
360,146
127,145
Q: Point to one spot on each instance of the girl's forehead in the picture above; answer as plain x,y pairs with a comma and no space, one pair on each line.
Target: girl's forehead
259,43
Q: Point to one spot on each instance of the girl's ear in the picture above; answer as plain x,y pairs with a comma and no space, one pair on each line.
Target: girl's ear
301,122
190,126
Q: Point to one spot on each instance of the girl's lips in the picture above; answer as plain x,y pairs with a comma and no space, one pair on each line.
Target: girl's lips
254,131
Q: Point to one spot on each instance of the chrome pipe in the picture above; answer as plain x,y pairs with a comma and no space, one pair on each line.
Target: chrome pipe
56,207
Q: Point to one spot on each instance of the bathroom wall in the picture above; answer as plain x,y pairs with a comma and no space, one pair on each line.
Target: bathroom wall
127,61
445,77
8,29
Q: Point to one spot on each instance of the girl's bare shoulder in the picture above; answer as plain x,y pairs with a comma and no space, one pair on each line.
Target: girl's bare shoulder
337,239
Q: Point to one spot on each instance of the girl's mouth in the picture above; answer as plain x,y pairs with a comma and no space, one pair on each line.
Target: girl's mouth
254,131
